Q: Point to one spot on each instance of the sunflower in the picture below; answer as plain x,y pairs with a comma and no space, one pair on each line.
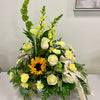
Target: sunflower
38,65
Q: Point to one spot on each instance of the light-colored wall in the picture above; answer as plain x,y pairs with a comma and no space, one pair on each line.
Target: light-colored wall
80,29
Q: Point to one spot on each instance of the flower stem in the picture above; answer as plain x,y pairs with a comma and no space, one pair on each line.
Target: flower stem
35,46
24,97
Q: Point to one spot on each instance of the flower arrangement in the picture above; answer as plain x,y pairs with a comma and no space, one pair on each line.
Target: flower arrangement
46,66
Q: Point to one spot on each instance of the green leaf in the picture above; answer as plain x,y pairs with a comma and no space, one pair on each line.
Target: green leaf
84,74
60,84
84,85
79,66
23,91
27,33
45,34
65,89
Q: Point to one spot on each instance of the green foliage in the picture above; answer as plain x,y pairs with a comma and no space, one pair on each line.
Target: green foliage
53,24
79,66
27,33
45,34
23,91
84,85
61,89
84,74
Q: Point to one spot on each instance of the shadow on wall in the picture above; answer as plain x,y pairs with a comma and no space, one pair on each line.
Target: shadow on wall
86,13
94,64
4,63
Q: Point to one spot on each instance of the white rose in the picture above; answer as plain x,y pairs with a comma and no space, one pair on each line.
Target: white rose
52,59
44,43
33,32
68,78
52,80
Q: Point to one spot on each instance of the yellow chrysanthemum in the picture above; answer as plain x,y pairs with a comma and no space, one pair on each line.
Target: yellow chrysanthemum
56,51
39,85
68,54
72,67
38,65
70,47
61,43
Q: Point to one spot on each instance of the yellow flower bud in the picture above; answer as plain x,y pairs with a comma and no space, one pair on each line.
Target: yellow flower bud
50,35
38,26
11,75
51,42
50,49
40,32
44,25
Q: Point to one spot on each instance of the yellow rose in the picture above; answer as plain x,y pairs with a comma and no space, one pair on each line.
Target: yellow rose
52,59
24,85
44,43
39,85
56,51
33,32
24,78
52,80
11,75
68,78
61,43
72,67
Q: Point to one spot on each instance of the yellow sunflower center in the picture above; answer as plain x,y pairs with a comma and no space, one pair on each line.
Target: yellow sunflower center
37,66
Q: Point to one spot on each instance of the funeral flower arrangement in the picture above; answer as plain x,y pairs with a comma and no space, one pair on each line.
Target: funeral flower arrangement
45,65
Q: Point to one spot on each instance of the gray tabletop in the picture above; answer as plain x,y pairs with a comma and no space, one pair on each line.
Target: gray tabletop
7,92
